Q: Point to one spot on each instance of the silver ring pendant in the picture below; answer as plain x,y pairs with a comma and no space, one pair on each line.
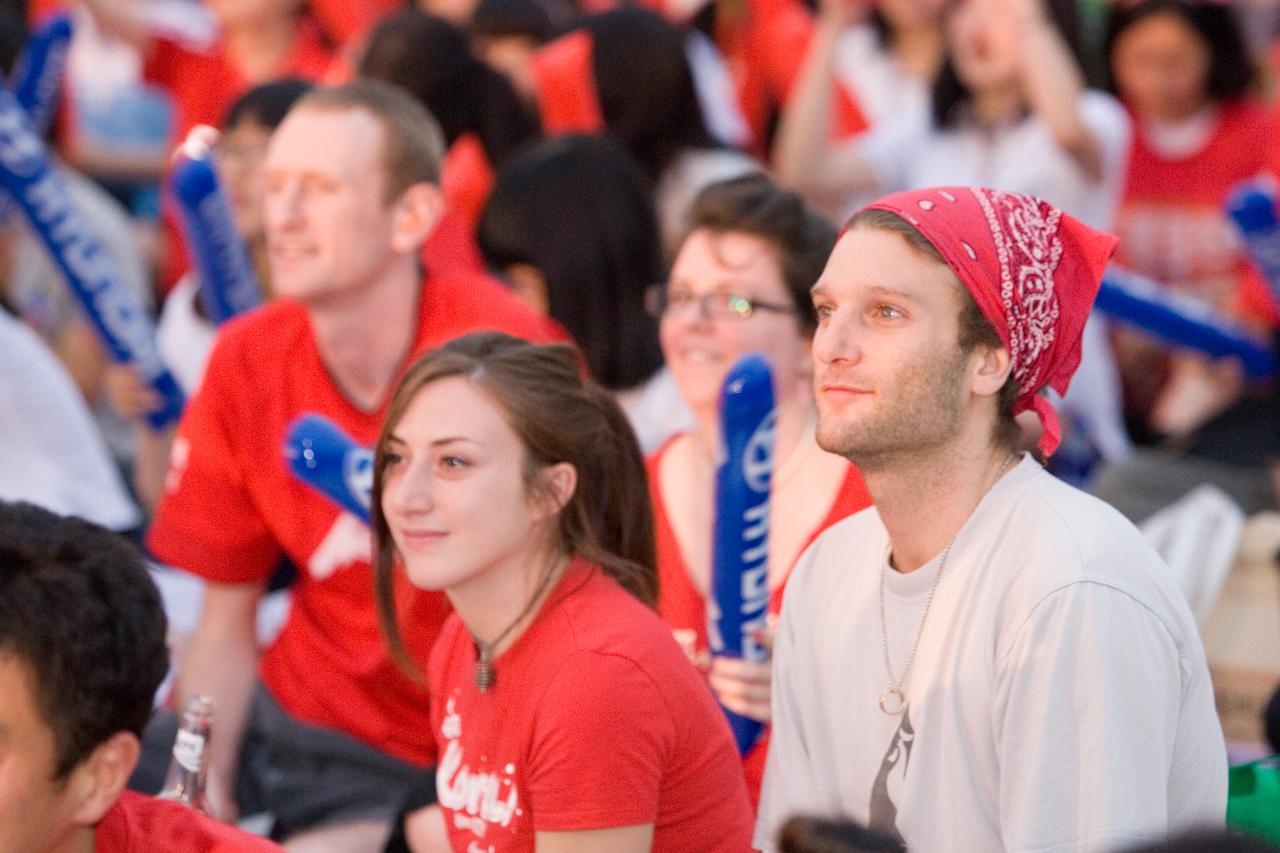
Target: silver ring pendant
891,705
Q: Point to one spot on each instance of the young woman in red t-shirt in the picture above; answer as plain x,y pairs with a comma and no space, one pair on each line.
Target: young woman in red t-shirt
566,716
740,284
1182,70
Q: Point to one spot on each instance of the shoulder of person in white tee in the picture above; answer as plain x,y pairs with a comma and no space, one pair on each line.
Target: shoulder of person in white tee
1058,534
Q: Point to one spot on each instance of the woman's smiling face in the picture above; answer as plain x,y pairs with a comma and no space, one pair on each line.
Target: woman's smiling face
700,348
454,491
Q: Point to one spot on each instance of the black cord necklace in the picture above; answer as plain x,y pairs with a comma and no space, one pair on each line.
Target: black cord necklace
484,674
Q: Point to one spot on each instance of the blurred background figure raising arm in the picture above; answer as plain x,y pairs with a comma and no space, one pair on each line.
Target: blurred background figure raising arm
204,68
1008,109
887,56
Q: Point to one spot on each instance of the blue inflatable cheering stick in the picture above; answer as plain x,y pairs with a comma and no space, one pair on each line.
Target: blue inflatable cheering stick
27,174
39,71
1182,321
324,457
39,77
738,607
1252,206
228,285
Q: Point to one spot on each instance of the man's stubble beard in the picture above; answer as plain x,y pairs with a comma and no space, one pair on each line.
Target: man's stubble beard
921,413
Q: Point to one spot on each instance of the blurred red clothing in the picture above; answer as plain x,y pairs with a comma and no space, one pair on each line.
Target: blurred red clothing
1172,223
203,85
136,823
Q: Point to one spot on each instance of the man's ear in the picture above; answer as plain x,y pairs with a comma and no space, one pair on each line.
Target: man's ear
417,212
96,782
989,368
559,482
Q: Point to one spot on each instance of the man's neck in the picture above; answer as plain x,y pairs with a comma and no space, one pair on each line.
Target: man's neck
924,499
364,340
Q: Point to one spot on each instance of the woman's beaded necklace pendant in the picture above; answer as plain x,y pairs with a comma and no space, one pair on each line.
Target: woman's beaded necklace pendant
485,675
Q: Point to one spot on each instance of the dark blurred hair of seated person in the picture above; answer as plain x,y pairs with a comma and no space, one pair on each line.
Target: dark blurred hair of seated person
816,835
1271,721
82,653
638,80
571,227
506,34
482,118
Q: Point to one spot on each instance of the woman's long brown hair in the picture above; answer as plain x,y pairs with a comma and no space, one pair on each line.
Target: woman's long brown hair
559,417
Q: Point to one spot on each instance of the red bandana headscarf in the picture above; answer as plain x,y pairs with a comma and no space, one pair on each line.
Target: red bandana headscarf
1033,271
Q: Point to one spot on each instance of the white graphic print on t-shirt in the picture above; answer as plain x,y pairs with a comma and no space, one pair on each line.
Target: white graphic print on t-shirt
346,544
478,799
883,810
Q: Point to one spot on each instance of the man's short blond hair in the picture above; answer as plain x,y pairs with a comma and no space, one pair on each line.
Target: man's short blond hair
413,145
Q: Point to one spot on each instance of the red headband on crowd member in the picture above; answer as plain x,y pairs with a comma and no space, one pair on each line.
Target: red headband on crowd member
1033,271
565,78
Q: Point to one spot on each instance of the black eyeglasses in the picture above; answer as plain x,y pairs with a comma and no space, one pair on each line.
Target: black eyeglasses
717,305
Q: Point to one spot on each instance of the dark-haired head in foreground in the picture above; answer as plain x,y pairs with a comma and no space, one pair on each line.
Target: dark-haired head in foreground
82,652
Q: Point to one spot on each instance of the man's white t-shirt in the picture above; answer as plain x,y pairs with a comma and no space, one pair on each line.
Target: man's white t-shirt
1059,699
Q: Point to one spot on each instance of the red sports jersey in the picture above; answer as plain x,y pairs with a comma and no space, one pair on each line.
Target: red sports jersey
595,720
204,84
347,21
1171,222
138,824
232,508
683,607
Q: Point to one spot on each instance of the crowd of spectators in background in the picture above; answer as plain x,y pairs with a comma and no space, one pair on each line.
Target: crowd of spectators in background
660,183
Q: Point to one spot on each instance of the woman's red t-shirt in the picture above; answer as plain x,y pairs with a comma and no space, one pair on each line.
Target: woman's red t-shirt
1172,223
595,720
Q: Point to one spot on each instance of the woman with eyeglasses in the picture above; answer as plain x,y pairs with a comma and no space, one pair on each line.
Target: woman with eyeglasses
740,283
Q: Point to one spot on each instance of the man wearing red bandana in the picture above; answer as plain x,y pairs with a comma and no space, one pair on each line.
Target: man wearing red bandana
986,659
